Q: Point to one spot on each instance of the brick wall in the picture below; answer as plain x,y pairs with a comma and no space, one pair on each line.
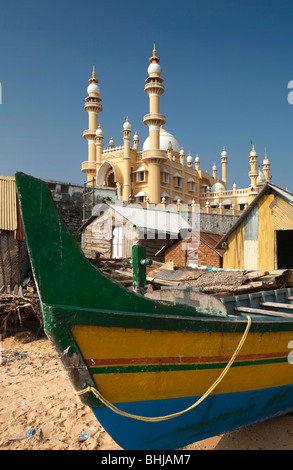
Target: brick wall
206,255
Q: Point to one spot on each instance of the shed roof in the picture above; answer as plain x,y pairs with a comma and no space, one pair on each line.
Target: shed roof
151,219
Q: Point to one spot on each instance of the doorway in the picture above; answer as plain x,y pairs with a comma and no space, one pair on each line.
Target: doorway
284,240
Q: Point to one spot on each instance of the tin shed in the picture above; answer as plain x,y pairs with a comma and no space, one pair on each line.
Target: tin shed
115,228
262,238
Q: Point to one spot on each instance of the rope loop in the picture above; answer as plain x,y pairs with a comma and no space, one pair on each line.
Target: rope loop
174,415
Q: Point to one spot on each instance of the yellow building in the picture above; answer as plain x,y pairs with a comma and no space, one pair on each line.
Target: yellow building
262,237
160,172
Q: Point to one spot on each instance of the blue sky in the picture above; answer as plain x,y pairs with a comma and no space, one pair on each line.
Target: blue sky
226,66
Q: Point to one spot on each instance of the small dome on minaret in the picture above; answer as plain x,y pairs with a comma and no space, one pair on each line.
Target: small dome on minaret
93,87
224,153
99,131
253,152
127,124
154,66
189,158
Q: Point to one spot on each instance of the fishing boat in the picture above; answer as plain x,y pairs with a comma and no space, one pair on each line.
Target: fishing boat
157,374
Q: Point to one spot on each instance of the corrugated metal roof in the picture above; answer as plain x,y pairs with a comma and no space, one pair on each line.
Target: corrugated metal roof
8,208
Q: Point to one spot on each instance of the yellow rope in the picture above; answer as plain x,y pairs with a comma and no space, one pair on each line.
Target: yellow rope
163,418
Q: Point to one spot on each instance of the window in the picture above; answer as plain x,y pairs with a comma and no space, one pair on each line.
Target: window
179,181
140,176
166,178
192,186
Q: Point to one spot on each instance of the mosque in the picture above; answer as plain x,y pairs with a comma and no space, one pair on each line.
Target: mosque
160,172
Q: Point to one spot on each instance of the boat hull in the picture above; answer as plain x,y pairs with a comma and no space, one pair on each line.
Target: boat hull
218,414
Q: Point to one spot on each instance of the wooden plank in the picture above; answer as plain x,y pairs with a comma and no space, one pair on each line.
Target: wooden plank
277,305
260,311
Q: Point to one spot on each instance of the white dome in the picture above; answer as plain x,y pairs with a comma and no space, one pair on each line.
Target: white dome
260,178
165,139
93,88
217,187
154,68
126,125
224,153
99,131
189,158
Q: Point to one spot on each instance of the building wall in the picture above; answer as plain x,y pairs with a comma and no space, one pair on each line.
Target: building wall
206,255
68,199
245,251
266,234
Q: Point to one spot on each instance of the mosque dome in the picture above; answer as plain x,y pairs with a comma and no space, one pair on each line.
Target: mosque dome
217,187
165,139
93,88
189,158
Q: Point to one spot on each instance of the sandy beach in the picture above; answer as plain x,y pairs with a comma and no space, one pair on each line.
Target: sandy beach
39,411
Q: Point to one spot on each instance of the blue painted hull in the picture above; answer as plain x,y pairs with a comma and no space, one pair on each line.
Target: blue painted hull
216,415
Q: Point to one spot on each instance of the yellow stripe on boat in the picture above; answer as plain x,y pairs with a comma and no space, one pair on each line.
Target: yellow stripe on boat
138,365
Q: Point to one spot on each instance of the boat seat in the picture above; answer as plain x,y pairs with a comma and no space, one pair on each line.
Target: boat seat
259,311
277,305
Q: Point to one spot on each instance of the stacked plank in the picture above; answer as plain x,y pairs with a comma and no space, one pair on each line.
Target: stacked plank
222,283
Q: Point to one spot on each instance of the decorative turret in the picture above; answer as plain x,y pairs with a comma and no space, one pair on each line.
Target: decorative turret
266,168
253,174
99,146
111,143
189,160
93,107
126,159
214,171
224,165
196,162
135,141
182,156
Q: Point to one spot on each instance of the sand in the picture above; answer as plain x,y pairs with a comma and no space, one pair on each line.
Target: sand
37,396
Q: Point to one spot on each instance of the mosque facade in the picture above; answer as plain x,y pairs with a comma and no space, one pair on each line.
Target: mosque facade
159,172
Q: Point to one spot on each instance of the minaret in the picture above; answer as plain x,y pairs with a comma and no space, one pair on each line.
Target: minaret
99,147
253,174
135,141
197,162
182,156
126,161
224,165
266,168
154,120
214,171
93,107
